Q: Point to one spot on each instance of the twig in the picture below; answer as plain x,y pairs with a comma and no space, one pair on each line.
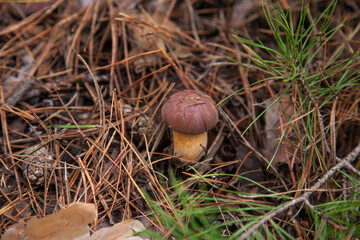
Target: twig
352,168
304,197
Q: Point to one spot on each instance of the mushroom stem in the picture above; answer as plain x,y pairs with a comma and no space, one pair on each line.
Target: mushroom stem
189,146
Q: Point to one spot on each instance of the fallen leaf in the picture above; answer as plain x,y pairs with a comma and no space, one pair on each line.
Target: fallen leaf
70,223
14,232
17,86
120,231
146,37
240,11
34,6
273,131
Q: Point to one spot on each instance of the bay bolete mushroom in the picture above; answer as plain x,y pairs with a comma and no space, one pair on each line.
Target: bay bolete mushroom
190,114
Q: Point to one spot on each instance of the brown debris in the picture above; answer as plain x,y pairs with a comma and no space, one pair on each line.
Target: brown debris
120,231
70,223
283,108
38,163
81,89
149,33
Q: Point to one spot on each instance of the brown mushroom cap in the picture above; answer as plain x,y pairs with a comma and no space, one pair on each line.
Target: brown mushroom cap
189,111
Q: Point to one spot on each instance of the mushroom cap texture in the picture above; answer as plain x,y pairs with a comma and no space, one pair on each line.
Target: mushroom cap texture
189,111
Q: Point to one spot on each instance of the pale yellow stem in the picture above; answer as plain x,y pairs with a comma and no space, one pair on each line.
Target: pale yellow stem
189,146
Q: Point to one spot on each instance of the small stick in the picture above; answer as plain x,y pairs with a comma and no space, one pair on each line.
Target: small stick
304,197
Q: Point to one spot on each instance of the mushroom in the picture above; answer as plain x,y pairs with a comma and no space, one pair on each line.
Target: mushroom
190,114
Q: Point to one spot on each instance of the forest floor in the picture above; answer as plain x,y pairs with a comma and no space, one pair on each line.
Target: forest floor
81,90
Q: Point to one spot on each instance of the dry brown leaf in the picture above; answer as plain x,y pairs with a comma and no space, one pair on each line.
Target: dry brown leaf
240,11
273,130
15,231
16,87
120,231
33,6
147,38
70,223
